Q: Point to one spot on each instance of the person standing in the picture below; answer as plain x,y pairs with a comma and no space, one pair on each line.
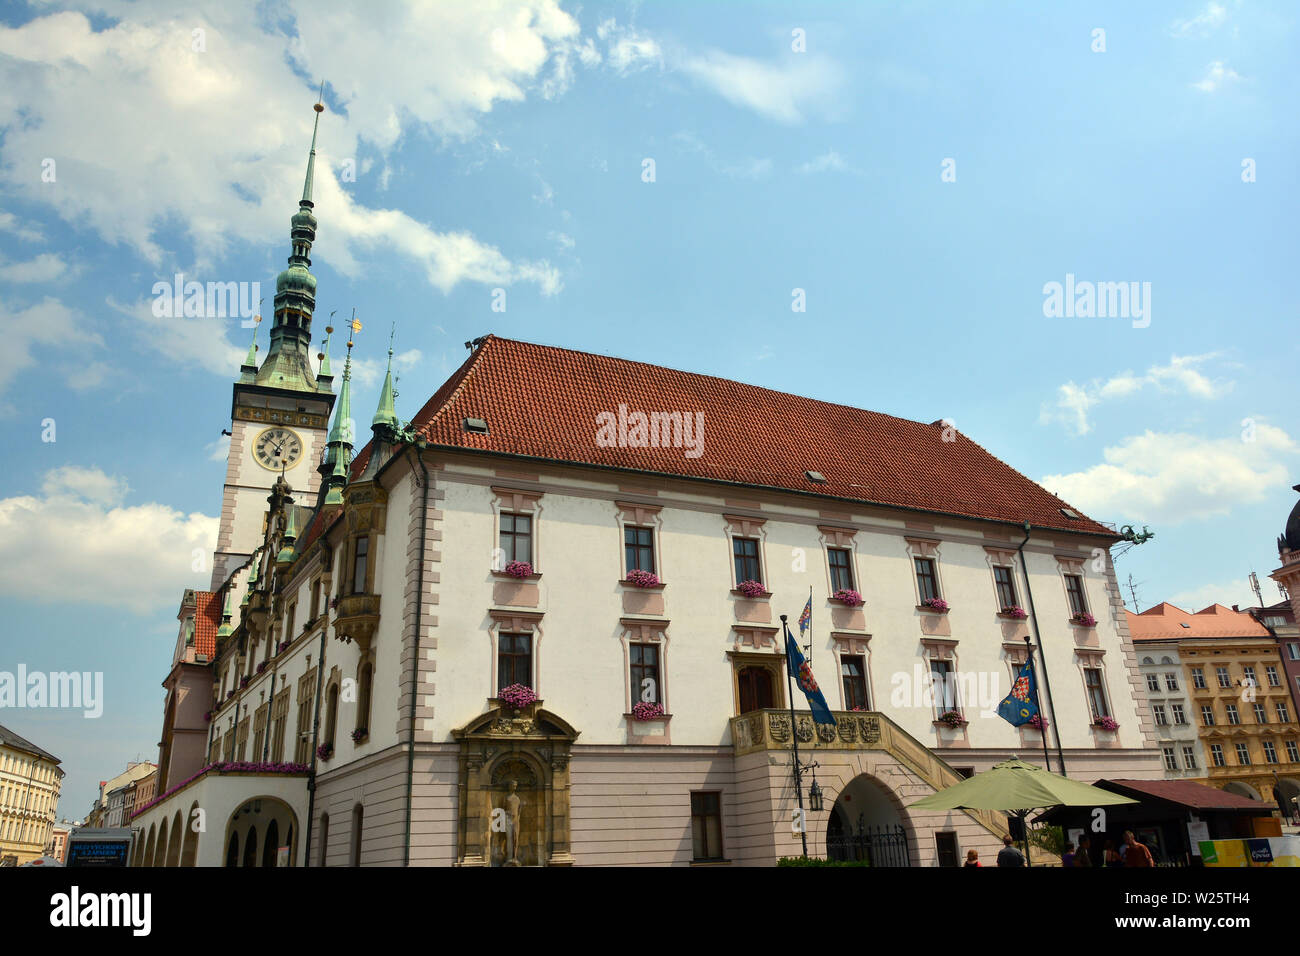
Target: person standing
1067,858
1111,856
1084,856
1009,855
1138,854
973,858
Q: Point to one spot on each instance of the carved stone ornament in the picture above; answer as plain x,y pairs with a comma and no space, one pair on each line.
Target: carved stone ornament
870,728
826,733
804,729
848,730
779,726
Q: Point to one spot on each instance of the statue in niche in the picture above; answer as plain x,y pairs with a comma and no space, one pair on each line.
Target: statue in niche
511,806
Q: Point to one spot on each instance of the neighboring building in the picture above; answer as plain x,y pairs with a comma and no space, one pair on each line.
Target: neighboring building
364,625
30,780
58,845
110,809
1280,619
1244,715
1172,709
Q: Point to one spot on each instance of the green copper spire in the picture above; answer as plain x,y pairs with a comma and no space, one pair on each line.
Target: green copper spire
290,536
386,415
325,355
252,578
338,449
287,363
227,614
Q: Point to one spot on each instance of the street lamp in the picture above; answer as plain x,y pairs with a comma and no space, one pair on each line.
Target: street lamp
815,796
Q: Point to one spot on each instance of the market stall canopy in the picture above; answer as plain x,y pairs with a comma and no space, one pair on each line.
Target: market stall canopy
1016,785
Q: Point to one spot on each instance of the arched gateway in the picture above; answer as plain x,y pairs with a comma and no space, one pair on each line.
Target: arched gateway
866,825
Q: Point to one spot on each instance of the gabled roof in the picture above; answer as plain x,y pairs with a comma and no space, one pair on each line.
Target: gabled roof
207,618
542,402
1166,621
10,739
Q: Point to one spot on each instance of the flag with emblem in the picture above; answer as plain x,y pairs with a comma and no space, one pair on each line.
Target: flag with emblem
805,619
802,673
1021,705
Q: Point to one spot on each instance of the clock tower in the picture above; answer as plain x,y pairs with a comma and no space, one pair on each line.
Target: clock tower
280,408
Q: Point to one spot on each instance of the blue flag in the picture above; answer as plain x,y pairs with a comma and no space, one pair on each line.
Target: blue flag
802,673
1020,706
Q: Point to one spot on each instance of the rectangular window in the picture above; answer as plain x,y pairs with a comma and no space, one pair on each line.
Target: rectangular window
1074,590
1216,755
241,742
279,717
1180,718
289,617
1261,715
1292,751
841,569
516,538
1207,715
1293,650
1159,711
1271,673
853,673
1270,752
514,660
1171,762
645,673
315,598
639,548
1198,678
360,557
1232,714
1222,674
706,825
306,705
1243,755
944,686
1283,714
745,551
945,845
1096,692
1249,673
1189,758
228,745
1005,581
1171,681
927,581
259,732
1153,683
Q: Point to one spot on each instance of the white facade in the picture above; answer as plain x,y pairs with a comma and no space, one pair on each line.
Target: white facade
1165,683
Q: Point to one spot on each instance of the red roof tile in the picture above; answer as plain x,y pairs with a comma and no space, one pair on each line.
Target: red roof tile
1166,622
542,402
1188,794
207,618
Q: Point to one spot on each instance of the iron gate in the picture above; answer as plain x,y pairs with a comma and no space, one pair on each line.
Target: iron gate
873,845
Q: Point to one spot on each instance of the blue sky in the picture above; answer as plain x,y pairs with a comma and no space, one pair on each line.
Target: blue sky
502,146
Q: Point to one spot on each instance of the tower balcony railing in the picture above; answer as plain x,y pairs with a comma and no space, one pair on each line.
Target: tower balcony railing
357,619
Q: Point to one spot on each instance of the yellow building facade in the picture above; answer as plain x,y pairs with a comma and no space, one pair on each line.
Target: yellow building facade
30,780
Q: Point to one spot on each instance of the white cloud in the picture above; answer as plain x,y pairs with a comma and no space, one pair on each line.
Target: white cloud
829,161
9,223
627,49
67,90
44,268
1216,75
199,342
49,323
1168,478
1203,24
1237,591
749,167
77,541
1074,402
219,450
784,91
369,372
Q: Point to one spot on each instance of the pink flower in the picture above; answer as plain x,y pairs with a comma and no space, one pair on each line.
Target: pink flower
1017,612
848,596
938,604
516,696
647,711
519,569
643,579
751,589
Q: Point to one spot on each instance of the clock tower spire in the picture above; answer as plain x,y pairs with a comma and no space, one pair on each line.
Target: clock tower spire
281,407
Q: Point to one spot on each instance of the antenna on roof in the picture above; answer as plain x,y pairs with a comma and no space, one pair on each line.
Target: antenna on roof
1254,586
1132,590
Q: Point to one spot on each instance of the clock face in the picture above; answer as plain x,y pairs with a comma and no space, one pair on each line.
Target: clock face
276,448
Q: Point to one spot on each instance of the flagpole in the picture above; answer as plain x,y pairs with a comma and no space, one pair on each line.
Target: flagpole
1038,704
794,738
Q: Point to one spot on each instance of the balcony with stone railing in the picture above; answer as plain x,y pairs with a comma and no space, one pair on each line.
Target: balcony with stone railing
357,619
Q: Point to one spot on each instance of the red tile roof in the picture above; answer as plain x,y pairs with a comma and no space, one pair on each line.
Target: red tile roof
1194,795
1166,622
542,402
207,618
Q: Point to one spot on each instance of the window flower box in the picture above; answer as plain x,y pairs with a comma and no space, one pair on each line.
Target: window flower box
1106,723
360,734
752,589
517,696
243,681
207,717
951,718
938,605
643,579
282,646
647,711
1083,620
230,693
324,751
261,667
1038,723
1016,613
848,597
519,569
